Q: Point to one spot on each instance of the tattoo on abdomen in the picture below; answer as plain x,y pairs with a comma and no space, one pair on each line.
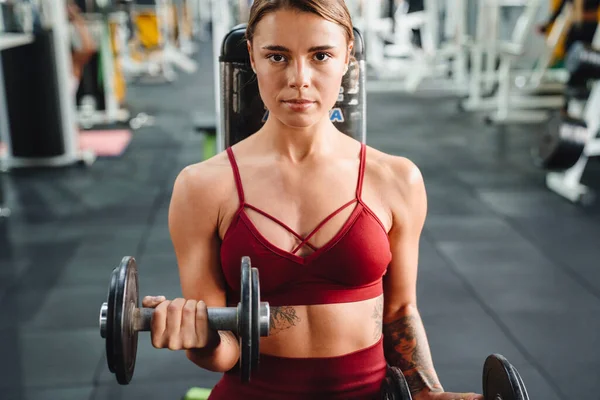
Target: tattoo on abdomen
378,317
282,318
405,346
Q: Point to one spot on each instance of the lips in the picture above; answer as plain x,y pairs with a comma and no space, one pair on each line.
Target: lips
299,101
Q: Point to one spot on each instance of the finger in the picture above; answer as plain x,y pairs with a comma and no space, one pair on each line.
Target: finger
159,319
201,322
152,301
174,312
188,325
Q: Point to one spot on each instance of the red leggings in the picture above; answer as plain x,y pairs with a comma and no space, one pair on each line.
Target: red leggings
353,376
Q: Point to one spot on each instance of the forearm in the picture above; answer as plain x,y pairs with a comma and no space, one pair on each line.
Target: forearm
406,347
219,357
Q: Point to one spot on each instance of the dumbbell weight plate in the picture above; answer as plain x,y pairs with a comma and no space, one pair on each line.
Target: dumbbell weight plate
255,354
108,313
395,386
501,381
125,339
245,320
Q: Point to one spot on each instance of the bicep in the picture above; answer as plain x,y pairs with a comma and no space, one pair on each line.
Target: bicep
400,282
192,225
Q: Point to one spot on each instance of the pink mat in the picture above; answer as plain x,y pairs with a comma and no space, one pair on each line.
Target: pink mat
109,143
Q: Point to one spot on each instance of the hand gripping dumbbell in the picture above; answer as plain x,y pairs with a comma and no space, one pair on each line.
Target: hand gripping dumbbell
501,381
121,319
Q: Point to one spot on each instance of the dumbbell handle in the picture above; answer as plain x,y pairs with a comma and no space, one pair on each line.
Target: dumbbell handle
219,318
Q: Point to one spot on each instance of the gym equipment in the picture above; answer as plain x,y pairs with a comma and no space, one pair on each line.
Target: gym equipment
582,63
501,381
101,93
158,26
515,100
561,143
121,319
405,44
242,109
394,386
55,72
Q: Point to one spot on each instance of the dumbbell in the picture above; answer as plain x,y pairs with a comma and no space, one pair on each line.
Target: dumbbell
121,319
501,381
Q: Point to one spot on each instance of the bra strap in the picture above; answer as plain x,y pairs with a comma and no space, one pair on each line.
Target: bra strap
361,170
236,174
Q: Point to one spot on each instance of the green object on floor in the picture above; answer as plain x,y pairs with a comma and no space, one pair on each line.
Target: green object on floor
197,394
209,147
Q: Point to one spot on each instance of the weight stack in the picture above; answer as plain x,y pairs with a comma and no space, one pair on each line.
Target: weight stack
243,111
32,97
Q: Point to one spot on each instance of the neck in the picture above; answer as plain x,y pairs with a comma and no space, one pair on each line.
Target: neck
300,144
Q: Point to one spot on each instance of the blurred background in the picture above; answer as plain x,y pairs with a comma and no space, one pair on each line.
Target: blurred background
103,102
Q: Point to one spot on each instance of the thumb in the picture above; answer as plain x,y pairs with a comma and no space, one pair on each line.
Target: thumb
152,301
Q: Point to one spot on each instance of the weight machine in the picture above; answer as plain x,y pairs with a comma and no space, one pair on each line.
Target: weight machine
515,98
168,52
580,136
398,64
23,152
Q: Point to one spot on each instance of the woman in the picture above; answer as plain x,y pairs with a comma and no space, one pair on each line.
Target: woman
341,284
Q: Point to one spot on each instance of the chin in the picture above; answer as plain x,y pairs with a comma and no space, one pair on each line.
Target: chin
299,122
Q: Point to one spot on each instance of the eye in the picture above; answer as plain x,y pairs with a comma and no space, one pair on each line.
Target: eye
322,57
276,58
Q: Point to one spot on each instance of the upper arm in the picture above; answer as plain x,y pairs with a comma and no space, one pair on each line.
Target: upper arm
408,201
193,216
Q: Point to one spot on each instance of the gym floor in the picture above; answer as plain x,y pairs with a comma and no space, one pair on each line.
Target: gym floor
506,266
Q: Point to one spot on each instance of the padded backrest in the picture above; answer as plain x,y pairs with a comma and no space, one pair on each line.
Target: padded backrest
243,111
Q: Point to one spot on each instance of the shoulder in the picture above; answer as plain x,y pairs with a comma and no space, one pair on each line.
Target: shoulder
398,173
206,184
400,183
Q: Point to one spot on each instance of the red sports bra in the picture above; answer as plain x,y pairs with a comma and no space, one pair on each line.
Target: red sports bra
348,268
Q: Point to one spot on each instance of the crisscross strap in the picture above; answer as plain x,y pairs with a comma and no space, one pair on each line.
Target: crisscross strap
236,174
361,170
333,214
290,230
303,241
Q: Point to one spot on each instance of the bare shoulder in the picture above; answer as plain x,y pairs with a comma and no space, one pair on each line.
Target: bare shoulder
395,172
206,185
400,184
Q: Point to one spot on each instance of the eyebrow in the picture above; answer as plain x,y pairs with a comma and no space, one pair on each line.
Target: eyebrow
285,49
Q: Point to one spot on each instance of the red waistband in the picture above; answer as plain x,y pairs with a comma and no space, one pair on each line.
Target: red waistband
353,376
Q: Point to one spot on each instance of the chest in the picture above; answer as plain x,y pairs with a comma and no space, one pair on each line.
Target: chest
301,210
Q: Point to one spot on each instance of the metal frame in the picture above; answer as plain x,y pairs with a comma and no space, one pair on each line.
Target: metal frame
57,17
568,183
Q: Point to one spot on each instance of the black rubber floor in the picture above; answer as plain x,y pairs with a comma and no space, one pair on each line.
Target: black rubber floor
505,265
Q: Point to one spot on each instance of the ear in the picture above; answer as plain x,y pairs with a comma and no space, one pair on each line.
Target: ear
349,52
249,45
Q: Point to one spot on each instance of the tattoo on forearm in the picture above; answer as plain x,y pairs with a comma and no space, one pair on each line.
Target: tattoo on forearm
406,347
378,317
282,318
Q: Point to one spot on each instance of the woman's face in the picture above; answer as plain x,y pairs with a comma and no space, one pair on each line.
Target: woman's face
299,59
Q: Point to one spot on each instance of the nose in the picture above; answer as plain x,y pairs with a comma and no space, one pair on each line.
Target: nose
299,75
